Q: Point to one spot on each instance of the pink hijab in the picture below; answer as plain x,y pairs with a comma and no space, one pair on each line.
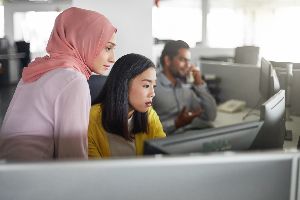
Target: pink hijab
78,36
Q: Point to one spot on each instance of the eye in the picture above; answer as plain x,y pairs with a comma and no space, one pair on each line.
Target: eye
154,86
109,48
146,86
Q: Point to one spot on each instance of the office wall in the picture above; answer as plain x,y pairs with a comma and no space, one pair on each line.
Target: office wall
239,81
133,19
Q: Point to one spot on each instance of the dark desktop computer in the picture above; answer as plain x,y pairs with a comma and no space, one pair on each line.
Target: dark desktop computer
272,113
233,137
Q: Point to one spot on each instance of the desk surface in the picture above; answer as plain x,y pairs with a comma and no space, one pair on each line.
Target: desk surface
224,119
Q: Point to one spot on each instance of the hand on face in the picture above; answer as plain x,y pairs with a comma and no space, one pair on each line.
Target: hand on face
196,74
186,117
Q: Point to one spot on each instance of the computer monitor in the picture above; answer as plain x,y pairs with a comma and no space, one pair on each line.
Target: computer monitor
272,113
246,176
233,137
269,82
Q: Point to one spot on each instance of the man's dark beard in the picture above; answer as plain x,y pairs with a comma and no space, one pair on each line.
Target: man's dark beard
177,75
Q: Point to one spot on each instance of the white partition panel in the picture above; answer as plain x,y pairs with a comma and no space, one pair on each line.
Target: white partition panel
133,19
260,176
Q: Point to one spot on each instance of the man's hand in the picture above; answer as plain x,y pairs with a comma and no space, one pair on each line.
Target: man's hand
186,117
196,74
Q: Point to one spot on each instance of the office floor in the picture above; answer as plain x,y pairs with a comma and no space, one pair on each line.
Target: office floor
6,93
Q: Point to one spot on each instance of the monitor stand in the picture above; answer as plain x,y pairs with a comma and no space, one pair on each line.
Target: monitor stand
288,133
289,75
298,145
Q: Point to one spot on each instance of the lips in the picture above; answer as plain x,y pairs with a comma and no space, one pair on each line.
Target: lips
106,67
148,104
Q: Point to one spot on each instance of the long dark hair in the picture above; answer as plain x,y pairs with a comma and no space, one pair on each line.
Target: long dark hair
114,96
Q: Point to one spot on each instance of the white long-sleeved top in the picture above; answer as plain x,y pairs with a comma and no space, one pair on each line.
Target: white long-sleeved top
48,118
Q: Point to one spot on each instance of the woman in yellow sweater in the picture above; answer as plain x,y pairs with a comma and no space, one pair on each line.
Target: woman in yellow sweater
122,117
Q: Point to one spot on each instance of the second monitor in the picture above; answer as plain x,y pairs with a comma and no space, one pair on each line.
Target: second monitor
268,133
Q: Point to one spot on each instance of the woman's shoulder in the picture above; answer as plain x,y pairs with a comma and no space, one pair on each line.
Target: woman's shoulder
95,111
153,118
152,113
154,125
63,76
95,108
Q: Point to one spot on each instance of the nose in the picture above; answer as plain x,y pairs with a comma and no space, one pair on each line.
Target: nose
152,92
112,57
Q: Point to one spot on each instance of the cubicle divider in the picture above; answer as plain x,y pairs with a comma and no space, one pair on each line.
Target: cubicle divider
226,176
238,81
241,81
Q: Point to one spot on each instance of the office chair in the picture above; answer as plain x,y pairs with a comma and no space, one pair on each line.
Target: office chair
96,83
23,47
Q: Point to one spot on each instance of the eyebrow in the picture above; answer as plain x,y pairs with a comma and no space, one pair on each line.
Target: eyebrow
148,80
112,43
186,59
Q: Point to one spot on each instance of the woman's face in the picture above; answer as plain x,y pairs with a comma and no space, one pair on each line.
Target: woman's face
141,91
103,62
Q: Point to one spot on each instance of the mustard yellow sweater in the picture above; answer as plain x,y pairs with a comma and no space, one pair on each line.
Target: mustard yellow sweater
98,145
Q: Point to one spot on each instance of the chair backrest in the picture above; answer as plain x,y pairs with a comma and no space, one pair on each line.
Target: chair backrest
96,83
23,47
246,55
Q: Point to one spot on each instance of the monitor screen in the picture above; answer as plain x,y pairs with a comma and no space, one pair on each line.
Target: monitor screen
233,137
269,82
272,112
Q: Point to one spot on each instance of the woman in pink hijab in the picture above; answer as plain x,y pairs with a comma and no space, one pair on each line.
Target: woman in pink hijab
49,113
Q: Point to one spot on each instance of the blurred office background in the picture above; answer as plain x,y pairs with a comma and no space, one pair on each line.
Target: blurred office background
232,33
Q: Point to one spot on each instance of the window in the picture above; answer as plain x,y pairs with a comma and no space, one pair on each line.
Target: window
178,20
278,34
34,27
1,21
270,25
225,27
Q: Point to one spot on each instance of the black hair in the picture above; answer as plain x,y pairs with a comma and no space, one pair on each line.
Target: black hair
171,49
114,96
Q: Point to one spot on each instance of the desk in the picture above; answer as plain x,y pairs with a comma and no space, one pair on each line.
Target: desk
224,119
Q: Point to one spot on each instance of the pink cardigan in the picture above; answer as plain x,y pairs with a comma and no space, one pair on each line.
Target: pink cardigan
48,118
